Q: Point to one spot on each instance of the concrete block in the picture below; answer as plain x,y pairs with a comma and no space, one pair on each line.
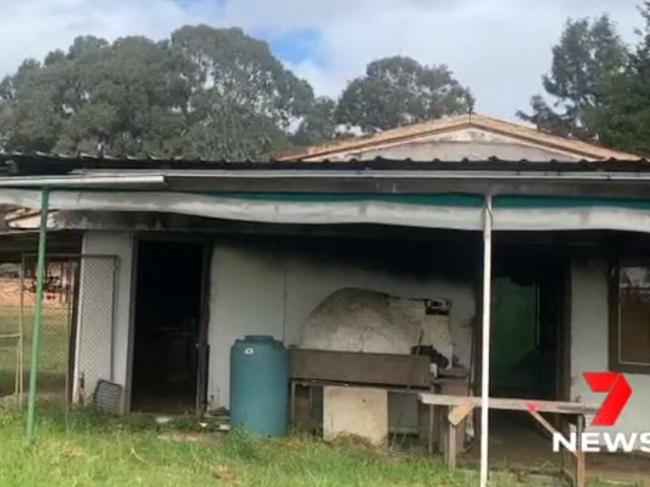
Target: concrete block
355,411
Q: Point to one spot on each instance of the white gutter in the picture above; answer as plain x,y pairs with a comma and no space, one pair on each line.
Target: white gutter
85,181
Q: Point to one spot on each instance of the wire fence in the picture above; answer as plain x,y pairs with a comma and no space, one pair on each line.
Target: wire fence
65,316
11,359
60,289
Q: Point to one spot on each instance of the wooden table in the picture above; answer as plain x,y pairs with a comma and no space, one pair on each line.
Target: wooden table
460,407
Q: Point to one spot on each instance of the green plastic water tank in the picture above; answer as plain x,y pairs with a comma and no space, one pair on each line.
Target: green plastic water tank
259,386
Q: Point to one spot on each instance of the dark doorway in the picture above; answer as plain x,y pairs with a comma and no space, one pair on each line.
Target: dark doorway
529,349
167,326
527,316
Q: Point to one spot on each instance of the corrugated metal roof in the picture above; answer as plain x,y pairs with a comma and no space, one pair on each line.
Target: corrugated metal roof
20,164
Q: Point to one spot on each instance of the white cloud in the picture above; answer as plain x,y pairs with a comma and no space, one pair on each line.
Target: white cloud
499,48
31,28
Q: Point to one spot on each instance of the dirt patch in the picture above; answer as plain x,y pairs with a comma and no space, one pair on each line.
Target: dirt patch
10,294
9,291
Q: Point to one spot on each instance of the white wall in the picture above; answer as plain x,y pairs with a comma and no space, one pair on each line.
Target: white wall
246,297
589,346
100,348
254,290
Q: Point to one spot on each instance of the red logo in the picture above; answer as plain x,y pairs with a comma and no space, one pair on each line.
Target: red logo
618,393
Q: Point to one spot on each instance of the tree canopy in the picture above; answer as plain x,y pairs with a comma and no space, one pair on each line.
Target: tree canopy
397,91
589,54
220,94
206,92
624,117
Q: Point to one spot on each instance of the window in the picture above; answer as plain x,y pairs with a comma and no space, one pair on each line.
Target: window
630,318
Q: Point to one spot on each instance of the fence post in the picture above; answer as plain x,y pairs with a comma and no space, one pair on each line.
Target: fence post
38,315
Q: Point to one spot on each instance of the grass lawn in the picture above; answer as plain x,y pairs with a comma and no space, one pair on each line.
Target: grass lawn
86,449
81,449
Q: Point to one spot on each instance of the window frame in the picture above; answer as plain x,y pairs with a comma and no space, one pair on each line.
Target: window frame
615,363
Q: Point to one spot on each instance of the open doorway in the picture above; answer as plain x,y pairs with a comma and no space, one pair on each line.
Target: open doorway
527,352
167,326
527,320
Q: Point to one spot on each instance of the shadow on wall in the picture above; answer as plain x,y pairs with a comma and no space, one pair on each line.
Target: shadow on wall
271,288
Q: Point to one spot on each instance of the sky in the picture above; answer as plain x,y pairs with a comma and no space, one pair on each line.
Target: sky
499,48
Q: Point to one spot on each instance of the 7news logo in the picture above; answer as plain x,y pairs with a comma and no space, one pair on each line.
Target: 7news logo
619,392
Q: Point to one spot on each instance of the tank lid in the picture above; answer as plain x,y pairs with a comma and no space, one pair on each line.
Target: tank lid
259,338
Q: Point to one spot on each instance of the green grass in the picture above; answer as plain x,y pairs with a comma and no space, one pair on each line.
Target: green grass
87,449
79,449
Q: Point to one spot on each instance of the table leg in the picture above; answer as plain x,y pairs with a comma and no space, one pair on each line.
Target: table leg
293,403
431,429
566,458
580,457
562,462
451,446
448,439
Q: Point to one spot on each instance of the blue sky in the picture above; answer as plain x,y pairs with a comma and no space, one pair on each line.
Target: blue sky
499,48
295,46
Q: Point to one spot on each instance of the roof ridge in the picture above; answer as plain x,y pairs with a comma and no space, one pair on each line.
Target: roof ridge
561,140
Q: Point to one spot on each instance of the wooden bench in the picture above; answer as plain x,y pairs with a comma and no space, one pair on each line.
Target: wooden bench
460,407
